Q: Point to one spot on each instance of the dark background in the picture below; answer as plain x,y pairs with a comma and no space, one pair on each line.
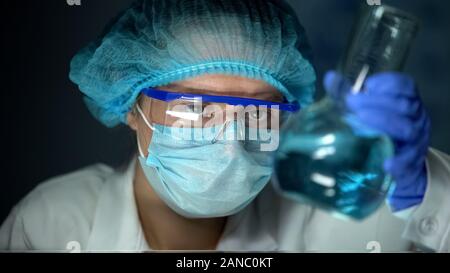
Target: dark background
47,131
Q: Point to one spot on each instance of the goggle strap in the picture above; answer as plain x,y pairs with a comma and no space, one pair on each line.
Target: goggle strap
170,96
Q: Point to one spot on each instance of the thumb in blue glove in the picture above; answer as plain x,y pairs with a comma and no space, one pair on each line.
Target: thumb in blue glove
389,103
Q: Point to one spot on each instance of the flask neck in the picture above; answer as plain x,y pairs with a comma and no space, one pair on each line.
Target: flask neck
348,84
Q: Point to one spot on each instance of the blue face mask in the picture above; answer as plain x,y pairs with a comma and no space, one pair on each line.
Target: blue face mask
201,179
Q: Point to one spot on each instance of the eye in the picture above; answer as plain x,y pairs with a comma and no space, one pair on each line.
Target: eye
258,115
195,108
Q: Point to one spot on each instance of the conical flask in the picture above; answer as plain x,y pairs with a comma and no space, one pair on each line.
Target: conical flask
326,156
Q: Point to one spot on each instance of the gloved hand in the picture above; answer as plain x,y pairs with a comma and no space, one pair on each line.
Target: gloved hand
389,103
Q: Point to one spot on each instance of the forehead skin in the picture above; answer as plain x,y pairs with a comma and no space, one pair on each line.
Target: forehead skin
226,85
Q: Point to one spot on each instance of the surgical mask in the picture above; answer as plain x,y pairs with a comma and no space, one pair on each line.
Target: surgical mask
201,179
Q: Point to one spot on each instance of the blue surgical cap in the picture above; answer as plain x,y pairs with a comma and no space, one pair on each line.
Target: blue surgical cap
157,42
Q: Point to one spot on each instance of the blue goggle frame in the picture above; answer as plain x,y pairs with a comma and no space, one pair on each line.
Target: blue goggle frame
170,96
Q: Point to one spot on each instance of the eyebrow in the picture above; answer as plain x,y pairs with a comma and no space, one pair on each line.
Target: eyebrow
266,95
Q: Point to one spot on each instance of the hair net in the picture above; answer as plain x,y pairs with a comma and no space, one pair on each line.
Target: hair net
156,42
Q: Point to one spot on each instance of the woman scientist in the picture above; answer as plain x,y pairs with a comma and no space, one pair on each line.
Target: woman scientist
210,192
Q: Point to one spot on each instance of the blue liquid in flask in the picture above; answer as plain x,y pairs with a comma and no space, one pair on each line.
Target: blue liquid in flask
334,163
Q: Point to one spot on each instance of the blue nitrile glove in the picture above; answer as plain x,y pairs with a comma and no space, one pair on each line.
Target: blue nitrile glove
390,103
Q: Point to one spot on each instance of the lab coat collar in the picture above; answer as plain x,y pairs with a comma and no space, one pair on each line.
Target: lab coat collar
117,226
252,228
245,232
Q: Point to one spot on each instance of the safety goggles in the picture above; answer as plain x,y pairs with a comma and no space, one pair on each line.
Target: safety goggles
169,110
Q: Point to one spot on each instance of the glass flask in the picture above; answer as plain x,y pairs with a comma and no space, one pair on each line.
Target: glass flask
326,156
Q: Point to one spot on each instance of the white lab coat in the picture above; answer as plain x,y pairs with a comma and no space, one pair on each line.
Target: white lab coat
94,209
